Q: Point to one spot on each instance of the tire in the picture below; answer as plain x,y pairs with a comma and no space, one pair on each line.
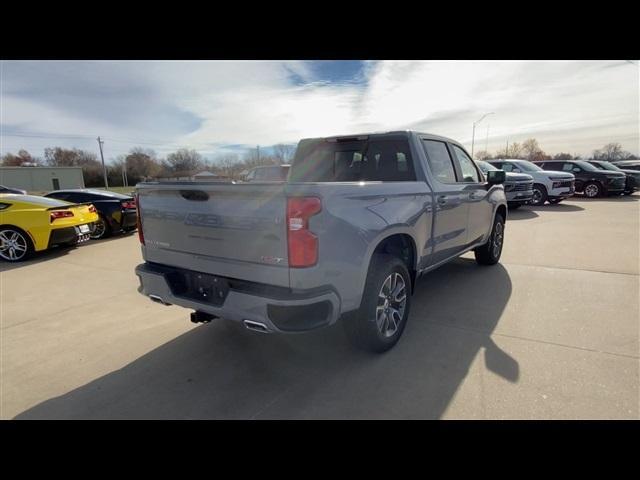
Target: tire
15,245
489,253
370,327
592,190
514,206
102,229
539,195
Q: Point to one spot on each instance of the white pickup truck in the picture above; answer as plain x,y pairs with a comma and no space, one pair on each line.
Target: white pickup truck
548,186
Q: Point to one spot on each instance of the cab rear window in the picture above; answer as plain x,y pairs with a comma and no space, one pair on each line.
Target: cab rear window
353,160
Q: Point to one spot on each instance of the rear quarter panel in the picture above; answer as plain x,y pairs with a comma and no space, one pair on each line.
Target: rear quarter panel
355,218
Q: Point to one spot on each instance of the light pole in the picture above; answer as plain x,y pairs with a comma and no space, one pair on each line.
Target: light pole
473,137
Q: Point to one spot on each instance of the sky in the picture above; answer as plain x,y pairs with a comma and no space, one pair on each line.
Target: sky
221,107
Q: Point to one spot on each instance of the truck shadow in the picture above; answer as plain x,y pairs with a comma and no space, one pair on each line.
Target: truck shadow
222,371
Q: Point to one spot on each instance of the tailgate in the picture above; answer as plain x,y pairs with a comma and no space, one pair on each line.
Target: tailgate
231,230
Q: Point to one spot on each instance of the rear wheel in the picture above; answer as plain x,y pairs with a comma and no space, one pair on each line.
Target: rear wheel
15,245
102,229
489,253
379,322
539,195
592,190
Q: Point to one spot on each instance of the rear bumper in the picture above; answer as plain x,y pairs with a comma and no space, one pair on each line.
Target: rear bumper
68,235
279,309
129,219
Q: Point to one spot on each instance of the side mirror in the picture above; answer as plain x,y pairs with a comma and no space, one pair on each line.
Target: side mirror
495,177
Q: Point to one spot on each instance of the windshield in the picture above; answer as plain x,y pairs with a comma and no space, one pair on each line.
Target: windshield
586,165
485,167
528,166
606,166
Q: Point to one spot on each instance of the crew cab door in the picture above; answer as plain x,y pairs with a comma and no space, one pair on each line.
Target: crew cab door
480,210
451,205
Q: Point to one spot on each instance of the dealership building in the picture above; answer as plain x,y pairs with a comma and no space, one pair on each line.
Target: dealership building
41,179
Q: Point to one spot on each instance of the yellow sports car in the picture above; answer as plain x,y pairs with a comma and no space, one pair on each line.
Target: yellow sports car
29,224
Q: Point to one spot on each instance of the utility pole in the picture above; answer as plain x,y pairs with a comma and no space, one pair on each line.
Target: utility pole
258,154
125,180
506,150
104,169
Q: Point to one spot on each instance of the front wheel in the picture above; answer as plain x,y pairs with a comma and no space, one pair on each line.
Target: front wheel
379,322
539,195
489,253
15,245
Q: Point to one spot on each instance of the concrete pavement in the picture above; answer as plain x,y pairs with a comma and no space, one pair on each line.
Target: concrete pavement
551,332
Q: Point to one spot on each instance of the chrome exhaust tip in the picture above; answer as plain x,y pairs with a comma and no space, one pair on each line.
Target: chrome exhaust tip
158,299
256,326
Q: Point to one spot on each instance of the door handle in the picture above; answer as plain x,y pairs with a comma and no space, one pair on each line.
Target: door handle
442,200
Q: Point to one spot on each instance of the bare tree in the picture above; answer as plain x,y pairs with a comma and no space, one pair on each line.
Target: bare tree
483,155
610,152
283,152
22,158
184,161
140,164
514,150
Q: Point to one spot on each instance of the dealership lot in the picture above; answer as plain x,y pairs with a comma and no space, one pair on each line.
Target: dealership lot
552,332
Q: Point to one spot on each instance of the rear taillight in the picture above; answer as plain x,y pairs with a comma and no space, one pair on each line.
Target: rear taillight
303,244
60,214
92,209
139,221
127,204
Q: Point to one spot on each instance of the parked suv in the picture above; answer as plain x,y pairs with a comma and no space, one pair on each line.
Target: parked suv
548,186
358,220
518,187
633,176
590,180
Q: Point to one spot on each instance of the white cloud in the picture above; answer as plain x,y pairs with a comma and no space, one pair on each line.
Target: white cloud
568,106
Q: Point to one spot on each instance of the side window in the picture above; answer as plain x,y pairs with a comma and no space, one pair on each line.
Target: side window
439,160
570,167
389,160
469,171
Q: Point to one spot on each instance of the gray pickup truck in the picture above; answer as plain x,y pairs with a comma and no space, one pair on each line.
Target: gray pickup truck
346,236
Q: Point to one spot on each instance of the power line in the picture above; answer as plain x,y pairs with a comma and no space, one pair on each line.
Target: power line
111,139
